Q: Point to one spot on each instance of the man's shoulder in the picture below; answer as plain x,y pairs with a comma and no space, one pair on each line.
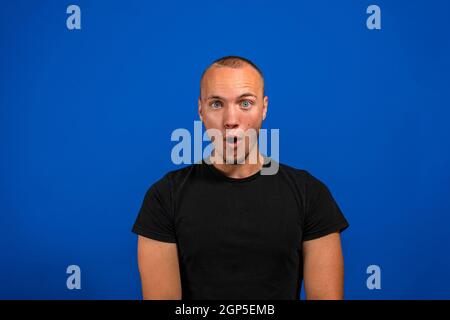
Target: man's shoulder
181,172
294,172
173,178
303,177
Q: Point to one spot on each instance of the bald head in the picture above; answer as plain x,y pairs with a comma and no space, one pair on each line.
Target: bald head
233,62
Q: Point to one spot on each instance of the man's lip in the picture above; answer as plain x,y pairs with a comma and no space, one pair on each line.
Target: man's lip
232,138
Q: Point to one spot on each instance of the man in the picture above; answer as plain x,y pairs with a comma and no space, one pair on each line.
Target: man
219,229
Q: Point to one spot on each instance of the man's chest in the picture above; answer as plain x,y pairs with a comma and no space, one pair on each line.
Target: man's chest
239,222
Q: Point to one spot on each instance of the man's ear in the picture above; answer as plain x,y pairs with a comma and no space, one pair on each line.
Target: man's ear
265,105
200,109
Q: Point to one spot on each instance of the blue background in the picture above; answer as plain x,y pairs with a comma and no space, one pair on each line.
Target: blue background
86,117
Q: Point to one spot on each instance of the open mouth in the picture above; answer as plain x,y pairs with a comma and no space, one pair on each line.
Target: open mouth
233,140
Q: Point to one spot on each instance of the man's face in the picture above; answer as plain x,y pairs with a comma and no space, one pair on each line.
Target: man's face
232,101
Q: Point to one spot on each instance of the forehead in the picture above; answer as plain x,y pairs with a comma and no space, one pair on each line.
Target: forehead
227,81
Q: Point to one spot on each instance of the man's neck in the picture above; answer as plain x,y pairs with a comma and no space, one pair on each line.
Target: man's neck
240,171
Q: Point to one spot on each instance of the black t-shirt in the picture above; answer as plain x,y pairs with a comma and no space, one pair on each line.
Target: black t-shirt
239,238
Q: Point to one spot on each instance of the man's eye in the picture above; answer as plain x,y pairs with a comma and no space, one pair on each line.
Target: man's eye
216,104
246,103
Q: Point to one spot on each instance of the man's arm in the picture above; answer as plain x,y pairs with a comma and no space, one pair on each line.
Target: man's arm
159,270
323,268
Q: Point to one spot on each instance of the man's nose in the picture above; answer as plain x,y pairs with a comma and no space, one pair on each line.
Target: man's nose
231,120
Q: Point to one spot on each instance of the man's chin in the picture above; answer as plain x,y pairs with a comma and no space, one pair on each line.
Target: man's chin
235,159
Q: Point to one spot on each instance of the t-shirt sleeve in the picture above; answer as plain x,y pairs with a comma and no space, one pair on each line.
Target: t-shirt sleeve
322,215
155,217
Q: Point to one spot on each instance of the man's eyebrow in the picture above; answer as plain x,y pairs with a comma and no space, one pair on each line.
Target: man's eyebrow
247,94
215,97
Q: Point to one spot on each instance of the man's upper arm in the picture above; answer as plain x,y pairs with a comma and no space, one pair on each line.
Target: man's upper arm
323,268
157,243
159,269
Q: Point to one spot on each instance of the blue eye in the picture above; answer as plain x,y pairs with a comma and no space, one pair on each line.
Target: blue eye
216,104
246,104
